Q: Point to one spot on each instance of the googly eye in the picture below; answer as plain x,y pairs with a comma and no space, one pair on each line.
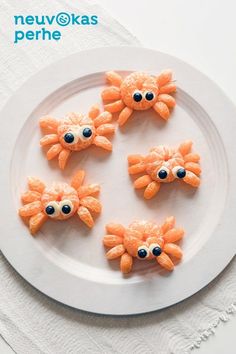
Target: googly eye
143,252
149,96
70,138
66,206
52,209
163,172
155,249
137,96
179,172
86,132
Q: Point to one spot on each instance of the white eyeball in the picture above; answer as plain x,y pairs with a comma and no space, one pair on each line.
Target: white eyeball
66,206
85,132
52,209
163,172
179,172
155,249
143,252
71,137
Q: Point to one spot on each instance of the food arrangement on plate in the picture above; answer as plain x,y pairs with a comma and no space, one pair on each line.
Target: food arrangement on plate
143,240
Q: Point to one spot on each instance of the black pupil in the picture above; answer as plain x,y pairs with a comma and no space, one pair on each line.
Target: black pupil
137,97
66,209
149,96
142,253
156,251
181,173
162,174
50,210
69,138
87,132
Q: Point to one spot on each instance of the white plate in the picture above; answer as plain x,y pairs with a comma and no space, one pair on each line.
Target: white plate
66,261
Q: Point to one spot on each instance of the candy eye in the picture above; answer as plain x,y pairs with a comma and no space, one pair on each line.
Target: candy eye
143,252
149,96
52,209
137,96
86,132
179,172
163,172
155,249
66,206
69,138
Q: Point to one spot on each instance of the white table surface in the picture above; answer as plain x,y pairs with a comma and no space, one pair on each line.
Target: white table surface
201,33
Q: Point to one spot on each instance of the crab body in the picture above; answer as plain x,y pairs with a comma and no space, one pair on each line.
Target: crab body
75,133
165,164
60,201
139,91
144,240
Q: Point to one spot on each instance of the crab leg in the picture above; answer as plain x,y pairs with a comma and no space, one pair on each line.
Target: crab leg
164,77
167,99
36,184
49,123
142,181
173,235
91,203
91,189
94,111
168,88
116,229
112,240
31,208
185,147
191,157
114,78
54,151
102,142
36,222
151,190
105,129
111,93
191,179
30,196
138,168
85,216
165,261
135,159
162,109
168,224
193,167
77,179
63,158
49,139
115,252
114,107
173,250
126,263
104,117
124,115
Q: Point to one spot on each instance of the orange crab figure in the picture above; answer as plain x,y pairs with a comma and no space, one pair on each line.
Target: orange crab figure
60,201
144,240
75,133
138,92
165,164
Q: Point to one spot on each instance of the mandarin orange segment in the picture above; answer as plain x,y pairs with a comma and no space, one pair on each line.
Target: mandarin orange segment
173,235
35,184
91,203
30,196
36,222
173,250
115,252
165,261
85,216
126,262
78,179
30,209
112,240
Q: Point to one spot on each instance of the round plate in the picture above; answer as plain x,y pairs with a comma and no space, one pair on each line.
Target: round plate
67,261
